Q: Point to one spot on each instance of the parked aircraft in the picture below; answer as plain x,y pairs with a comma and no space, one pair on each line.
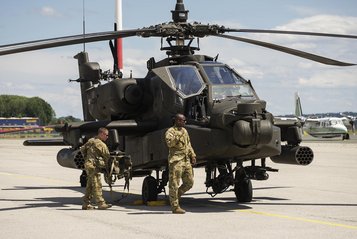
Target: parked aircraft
327,127
349,121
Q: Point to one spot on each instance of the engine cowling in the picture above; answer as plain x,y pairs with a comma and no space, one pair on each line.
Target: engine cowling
116,98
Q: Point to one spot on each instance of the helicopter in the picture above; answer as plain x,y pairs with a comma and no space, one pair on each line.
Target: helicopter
228,123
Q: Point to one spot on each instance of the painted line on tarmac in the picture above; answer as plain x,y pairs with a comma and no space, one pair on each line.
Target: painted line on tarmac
299,219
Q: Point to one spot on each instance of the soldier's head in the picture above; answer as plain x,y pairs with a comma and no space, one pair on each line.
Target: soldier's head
180,120
103,134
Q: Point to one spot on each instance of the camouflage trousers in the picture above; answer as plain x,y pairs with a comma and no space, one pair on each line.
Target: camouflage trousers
94,187
177,171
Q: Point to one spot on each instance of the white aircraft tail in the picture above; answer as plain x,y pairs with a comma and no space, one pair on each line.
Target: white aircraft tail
298,108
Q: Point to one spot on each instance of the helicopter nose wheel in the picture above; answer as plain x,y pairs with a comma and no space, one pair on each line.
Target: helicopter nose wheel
243,187
244,190
149,189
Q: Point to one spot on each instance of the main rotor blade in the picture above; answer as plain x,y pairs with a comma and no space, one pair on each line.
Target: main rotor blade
69,40
291,51
291,33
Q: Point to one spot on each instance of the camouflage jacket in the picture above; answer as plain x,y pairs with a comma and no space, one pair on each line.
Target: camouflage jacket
178,142
95,150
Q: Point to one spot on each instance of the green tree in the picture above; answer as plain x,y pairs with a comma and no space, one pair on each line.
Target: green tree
66,119
20,106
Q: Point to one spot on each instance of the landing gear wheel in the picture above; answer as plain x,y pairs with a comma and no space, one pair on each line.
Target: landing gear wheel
149,189
244,190
83,179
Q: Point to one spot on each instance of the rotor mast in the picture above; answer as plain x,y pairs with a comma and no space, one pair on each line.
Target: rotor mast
179,17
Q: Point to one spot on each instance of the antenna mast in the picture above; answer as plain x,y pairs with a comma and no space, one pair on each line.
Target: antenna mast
84,25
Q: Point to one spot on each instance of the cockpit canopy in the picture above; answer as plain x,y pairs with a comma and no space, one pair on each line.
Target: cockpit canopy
227,83
220,74
187,80
190,80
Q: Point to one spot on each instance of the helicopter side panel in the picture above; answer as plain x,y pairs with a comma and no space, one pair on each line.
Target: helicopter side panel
209,143
148,151
215,144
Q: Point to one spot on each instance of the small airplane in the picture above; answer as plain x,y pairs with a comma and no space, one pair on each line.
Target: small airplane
327,127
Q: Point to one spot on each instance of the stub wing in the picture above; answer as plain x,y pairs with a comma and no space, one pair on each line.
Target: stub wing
44,142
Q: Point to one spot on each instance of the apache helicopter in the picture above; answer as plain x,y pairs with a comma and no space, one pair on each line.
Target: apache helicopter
227,122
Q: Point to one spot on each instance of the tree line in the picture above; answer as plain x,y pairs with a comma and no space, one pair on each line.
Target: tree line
21,106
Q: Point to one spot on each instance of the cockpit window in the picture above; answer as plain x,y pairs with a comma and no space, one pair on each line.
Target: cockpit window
222,75
186,79
220,92
227,83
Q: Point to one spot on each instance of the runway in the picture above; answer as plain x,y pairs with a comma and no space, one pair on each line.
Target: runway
40,199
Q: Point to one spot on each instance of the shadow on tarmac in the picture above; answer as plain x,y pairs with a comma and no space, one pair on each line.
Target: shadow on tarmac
122,200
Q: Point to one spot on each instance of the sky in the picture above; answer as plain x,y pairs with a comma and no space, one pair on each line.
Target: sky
275,76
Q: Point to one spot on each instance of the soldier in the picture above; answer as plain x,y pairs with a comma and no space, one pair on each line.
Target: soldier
96,154
181,156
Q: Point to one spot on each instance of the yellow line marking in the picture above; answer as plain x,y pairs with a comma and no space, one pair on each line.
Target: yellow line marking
299,219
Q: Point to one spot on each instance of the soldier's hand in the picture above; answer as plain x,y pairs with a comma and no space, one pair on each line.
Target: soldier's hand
101,163
193,160
177,138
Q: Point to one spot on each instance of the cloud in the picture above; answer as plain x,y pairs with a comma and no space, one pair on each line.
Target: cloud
323,23
304,11
49,12
331,79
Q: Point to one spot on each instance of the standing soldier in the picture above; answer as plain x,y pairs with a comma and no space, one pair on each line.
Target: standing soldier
181,156
96,155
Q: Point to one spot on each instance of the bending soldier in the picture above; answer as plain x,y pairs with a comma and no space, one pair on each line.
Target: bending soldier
96,154
181,156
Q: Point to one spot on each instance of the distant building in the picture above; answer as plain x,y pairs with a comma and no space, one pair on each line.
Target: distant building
22,122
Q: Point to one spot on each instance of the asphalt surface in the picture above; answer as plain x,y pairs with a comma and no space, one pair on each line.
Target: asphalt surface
40,199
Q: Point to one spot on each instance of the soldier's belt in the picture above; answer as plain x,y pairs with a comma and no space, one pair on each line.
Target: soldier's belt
179,154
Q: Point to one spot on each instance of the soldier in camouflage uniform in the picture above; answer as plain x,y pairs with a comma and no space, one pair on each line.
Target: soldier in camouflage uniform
181,156
96,154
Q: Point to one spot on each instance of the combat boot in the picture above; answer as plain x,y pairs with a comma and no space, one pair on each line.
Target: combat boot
87,207
104,206
178,211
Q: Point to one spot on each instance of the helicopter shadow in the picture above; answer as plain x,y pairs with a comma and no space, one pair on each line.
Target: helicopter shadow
192,203
126,200
43,202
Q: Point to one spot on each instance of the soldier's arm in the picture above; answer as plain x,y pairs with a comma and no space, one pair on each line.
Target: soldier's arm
83,149
104,152
191,152
170,139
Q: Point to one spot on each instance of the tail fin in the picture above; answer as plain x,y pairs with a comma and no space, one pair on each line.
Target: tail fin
298,108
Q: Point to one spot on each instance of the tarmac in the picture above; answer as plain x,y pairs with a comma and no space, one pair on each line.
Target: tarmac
40,199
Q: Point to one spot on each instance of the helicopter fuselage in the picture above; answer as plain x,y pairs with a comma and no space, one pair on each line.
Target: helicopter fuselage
226,120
